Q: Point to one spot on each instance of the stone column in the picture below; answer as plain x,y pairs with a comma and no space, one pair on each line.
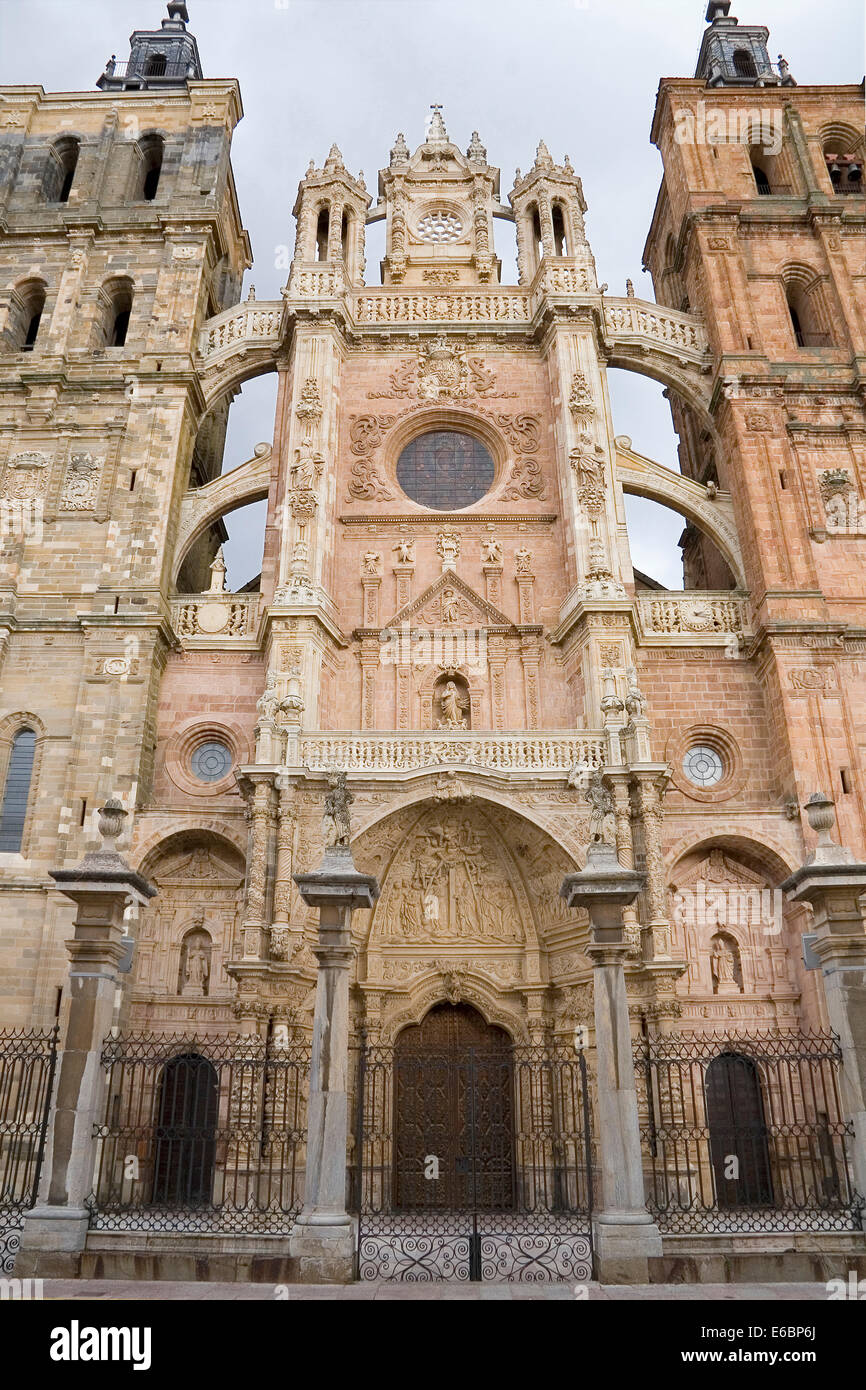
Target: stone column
832,882
323,1238
625,1235
258,791
101,887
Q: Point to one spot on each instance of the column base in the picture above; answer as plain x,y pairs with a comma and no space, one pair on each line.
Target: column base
323,1245
52,1238
623,1244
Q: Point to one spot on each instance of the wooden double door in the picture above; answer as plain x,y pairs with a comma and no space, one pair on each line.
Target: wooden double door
454,1114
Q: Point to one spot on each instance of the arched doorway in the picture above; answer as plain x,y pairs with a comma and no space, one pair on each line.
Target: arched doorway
453,1113
738,1131
186,1120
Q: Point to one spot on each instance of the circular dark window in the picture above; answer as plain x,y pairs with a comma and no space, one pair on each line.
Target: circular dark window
446,470
211,761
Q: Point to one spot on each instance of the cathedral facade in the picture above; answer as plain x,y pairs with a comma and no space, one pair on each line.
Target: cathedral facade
448,611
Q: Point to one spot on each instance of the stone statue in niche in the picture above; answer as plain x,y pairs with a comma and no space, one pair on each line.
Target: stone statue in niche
725,965
453,705
195,959
336,816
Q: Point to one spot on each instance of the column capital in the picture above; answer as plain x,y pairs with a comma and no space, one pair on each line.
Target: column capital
337,883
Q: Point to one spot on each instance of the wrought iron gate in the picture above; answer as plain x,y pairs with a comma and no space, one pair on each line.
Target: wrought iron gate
745,1133
473,1162
28,1058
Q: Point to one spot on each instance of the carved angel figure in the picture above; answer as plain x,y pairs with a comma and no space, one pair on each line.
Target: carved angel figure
492,549
452,704
405,551
336,816
371,562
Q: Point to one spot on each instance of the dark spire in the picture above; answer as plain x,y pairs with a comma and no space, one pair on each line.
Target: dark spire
159,58
735,55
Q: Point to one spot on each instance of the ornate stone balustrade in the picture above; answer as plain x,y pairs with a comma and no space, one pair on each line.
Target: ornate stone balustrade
252,324
518,752
215,615
391,306
691,615
643,322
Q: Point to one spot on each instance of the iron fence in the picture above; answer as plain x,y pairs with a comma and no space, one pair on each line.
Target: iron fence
28,1059
201,1134
472,1163
745,1133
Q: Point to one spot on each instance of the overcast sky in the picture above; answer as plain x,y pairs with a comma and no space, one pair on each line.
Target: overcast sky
582,74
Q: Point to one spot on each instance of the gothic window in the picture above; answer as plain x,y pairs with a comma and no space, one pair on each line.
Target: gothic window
537,242
323,226
151,150
445,470
744,63
60,170
560,240
344,236
16,794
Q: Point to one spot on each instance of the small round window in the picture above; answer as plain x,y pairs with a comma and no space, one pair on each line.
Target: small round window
211,761
703,766
446,470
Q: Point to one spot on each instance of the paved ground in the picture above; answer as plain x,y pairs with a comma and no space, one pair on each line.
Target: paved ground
113,1289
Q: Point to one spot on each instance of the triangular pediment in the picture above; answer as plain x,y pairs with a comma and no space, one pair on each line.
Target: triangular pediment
435,606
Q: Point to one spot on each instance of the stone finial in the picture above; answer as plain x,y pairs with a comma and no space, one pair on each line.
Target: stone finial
629,289
218,574
567,165
111,820
821,815
476,150
436,129
335,159
543,157
399,150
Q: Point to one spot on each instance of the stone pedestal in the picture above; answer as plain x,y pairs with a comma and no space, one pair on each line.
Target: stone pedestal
323,1238
832,882
624,1234
101,887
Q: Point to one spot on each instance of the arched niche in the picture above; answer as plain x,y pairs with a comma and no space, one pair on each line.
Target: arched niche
199,877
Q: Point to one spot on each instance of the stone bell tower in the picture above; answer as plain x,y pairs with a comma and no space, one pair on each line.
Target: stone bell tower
439,206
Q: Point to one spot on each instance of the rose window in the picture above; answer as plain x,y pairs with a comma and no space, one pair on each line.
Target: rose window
440,226
703,766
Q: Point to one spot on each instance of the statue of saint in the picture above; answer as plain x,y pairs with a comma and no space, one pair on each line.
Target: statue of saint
452,704
336,816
